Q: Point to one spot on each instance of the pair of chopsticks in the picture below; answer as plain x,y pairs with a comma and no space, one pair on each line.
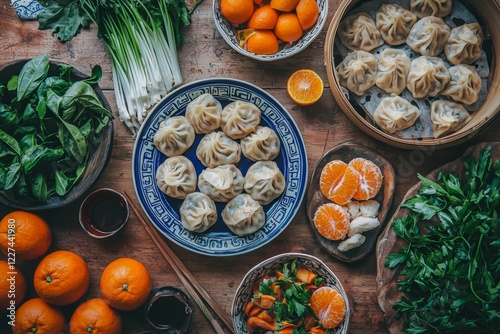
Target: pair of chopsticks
188,280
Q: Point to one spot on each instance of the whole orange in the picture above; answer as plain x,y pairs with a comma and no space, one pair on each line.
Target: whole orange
307,12
95,316
27,233
263,17
61,278
36,316
125,284
288,27
284,5
262,42
236,11
12,286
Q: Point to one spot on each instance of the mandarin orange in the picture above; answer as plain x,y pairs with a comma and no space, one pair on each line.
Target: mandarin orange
331,221
125,284
262,42
36,316
329,306
95,316
338,182
237,11
288,27
370,178
307,12
284,5
30,233
305,87
61,278
12,285
263,17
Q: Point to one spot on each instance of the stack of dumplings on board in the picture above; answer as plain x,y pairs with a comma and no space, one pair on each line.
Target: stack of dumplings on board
227,133
450,83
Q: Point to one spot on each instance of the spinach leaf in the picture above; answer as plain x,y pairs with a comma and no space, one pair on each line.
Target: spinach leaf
12,175
64,18
62,183
30,116
8,116
39,188
12,83
72,140
81,93
11,142
53,102
96,75
32,156
32,74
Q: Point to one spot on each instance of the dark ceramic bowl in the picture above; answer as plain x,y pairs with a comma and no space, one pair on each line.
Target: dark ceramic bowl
98,159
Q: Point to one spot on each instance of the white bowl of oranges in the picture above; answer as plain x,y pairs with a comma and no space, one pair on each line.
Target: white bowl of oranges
269,30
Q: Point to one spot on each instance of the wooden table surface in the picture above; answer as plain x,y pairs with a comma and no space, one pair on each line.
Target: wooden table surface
205,54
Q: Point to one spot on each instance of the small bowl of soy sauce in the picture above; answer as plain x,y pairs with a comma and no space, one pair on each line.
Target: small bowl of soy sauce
103,213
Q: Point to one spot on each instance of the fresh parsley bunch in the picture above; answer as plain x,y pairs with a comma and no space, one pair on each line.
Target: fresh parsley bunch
451,263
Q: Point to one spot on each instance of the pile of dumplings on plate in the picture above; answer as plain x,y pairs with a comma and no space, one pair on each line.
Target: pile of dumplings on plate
423,29
227,133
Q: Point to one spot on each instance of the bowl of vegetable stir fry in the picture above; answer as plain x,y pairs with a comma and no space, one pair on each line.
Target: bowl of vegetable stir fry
56,133
290,293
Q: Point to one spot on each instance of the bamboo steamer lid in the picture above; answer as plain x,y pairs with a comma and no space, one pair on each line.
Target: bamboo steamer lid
486,11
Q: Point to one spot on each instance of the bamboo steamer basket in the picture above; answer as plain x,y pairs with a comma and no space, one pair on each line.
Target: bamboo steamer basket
487,12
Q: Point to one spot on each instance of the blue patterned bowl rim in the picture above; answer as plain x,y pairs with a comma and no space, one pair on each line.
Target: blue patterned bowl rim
244,291
163,210
227,31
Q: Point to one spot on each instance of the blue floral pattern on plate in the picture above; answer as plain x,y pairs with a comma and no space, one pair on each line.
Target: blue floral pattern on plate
163,211
27,9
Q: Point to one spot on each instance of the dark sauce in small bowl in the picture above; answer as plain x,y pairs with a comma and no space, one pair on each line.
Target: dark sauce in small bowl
103,213
168,311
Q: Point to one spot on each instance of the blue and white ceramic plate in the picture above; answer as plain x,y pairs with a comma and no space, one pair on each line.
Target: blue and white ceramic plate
163,211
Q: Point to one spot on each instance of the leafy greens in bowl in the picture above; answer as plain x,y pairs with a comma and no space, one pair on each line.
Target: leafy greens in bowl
55,133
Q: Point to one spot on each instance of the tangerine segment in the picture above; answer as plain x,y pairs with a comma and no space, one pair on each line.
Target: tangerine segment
307,12
370,178
331,221
284,5
263,17
305,87
329,306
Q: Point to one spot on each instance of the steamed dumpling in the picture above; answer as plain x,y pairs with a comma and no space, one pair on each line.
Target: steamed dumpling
428,36
359,32
222,183
448,116
174,136
423,8
243,215
204,113
176,177
263,144
239,118
393,68
264,181
217,149
465,84
358,72
394,23
198,212
427,77
464,44
395,113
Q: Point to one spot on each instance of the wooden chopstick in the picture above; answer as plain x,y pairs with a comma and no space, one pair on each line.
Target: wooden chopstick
188,280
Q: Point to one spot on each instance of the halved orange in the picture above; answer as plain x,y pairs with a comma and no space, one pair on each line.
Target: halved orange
338,182
305,87
331,221
370,178
329,306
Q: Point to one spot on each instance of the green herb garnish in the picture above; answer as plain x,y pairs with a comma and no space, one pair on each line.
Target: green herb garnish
451,263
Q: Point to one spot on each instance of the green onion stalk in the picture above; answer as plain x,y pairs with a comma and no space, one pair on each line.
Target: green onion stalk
142,37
